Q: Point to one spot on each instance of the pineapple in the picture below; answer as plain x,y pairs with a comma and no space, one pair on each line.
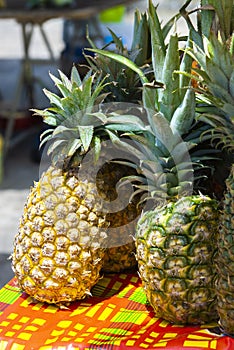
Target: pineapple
60,247
120,252
175,255
176,234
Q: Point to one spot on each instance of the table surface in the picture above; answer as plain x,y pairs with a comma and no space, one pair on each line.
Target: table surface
83,10
116,316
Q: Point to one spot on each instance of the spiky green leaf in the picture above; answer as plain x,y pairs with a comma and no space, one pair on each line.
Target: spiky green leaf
157,42
57,144
206,17
53,98
185,66
96,143
141,38
170,96
86,135
75,76
73,146
65,81
150,97
162,131
184,115
124,60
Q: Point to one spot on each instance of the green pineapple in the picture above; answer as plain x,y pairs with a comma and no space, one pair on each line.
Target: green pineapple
221,120
175,257
176,234
175,237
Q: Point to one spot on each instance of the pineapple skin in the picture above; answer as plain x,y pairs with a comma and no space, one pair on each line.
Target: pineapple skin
120,251
120,254
120,259
59,249
225,260
176,245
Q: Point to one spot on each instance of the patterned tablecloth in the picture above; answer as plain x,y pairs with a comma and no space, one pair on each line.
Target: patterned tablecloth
117,316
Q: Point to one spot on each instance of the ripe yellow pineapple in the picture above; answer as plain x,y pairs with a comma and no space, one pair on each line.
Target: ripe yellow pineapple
65,230
58,251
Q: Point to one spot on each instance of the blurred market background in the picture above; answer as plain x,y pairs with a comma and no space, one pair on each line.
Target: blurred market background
20,166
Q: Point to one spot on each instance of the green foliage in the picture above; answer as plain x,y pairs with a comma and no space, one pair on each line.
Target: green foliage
124,82
215,16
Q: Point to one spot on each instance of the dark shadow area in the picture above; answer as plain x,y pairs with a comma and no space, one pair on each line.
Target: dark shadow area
6,272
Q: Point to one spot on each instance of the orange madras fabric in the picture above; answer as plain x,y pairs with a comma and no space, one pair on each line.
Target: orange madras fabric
117,316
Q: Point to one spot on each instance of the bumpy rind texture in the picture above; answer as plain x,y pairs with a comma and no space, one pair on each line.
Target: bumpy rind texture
176,245
58,251
121,217
225,260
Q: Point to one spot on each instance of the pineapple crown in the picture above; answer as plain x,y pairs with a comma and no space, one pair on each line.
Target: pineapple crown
213,50
124,83
215,92
79,119
169,102
212,16
73,128
165,167
76,95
